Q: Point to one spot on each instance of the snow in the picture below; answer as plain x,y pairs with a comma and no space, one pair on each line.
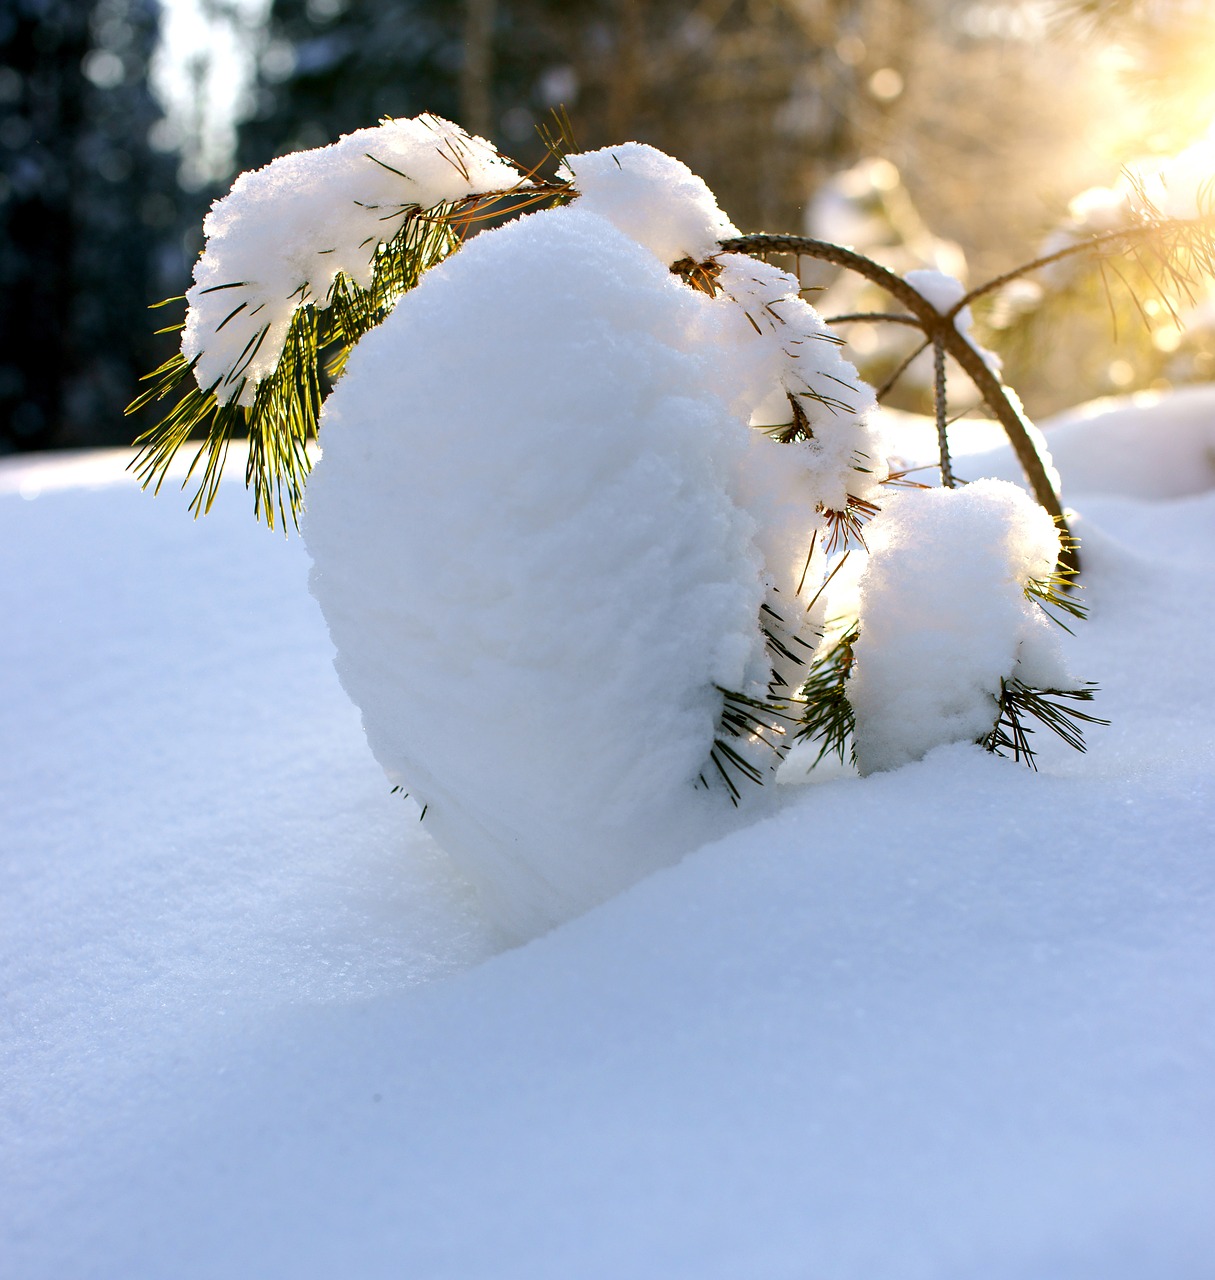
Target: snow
947,1021
1153,446
541,667
938,637
798,359
280,237
544,667
1177,186
945,292
652,198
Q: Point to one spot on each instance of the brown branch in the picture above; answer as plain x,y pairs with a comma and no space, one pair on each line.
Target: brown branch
1124,235
939,329
859,317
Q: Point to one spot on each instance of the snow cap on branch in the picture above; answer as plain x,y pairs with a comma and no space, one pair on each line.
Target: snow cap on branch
945,292
280,237
797,360
944,617
654,199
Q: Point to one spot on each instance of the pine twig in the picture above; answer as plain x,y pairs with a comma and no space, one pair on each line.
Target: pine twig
828,717
936,328
1019,703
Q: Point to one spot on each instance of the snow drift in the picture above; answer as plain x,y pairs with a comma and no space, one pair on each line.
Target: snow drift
949,1021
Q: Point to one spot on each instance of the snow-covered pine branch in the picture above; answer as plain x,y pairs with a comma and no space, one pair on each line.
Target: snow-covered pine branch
268,253
302,258
586,491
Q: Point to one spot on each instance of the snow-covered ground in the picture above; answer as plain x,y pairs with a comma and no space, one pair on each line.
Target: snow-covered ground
947,1022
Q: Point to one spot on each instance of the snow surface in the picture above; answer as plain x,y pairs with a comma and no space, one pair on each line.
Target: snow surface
950,1021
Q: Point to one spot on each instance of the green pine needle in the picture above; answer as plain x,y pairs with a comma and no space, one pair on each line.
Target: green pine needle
746,719
1057,589
1019,702
828,717
283,417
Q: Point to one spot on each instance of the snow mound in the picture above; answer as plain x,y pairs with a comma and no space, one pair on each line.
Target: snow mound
1149,445
532,559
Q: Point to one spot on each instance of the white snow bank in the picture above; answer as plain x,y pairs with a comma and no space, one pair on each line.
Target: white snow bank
37,474
284,232
951,1021
1147,445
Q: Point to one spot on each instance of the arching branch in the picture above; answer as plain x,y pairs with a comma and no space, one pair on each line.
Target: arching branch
940,330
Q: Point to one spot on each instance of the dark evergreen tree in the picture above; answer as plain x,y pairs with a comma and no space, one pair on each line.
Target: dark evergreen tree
757,97
87,210
328,67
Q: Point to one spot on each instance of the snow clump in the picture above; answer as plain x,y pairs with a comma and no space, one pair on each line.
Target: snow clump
653,198
944,617
945,292
568,503
543,531
805,381
283,233
534,567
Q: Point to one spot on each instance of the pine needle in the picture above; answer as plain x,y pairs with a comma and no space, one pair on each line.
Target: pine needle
746,720
1019,702
1057,590
828,717
283,417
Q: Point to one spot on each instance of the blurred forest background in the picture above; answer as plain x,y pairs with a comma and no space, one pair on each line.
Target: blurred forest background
942,133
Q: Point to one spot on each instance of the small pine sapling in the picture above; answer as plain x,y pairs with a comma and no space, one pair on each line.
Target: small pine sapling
650,462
